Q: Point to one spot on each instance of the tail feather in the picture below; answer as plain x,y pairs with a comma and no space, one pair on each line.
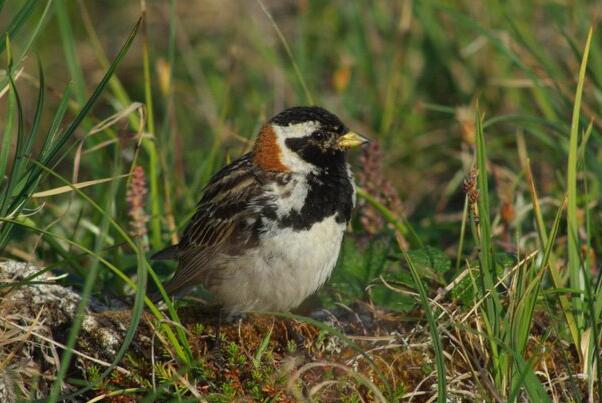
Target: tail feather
169,253
156,295
172,289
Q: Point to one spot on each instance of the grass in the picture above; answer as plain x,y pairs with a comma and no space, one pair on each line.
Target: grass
498,278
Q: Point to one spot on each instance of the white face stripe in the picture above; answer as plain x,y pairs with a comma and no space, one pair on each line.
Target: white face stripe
288,157
296,130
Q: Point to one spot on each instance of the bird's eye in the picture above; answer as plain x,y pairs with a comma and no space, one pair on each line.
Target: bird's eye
318,135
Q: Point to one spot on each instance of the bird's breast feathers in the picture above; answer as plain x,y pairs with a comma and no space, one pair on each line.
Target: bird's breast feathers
297,246
282,270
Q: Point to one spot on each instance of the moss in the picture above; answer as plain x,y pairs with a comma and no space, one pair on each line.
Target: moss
266,358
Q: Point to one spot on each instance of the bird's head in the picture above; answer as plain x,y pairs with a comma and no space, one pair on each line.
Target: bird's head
303,139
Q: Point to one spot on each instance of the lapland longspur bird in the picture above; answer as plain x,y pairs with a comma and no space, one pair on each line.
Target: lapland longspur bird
268,229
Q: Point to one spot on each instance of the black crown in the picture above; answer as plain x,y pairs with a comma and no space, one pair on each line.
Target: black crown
300,114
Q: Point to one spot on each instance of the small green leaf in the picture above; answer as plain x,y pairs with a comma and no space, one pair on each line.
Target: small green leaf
504,261
431,259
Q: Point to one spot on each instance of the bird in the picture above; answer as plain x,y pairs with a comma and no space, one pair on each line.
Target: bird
268,229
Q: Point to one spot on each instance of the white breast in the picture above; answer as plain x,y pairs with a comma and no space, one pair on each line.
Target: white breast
303,261
286,268
288,265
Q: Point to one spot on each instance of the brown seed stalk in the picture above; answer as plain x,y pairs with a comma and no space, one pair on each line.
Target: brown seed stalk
136,199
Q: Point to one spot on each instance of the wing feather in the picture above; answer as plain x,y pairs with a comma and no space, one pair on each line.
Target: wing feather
222,224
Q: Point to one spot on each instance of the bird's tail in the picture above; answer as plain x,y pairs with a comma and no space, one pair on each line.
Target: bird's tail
156,297
169,253
170,290
173,288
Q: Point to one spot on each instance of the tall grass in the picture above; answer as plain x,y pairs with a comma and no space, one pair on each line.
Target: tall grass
398,71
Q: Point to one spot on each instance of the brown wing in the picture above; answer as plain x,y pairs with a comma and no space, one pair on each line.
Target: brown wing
225,222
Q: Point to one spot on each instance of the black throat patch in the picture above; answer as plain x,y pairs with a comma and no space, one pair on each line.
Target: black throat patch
330,192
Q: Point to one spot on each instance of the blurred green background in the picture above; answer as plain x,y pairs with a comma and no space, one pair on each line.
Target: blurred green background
195,80
406,73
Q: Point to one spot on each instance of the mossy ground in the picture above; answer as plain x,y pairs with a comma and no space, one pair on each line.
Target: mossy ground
270,358
357,352
485,116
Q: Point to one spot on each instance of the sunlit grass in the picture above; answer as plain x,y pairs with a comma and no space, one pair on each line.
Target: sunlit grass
187,89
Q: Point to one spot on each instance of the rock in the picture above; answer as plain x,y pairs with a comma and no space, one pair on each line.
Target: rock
35,316
57,303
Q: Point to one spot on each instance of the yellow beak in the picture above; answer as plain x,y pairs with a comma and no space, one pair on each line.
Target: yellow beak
351,140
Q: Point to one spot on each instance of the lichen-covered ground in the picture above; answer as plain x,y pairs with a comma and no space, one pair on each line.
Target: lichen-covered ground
351,353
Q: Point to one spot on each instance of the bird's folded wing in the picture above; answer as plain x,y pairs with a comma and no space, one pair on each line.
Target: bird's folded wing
225,223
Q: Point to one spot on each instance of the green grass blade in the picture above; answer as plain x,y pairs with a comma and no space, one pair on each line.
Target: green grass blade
37,117
529,380
151,146
9,190
17,22
181,346
552,265
437,346
56,122
119,273
171,62
573,246
592,299
66,135
436,339
289,52
526,373
52,156
24,151
402,225
137,311
7,139
33,34
91,275
74,330
68,39
528,298
485,241
262,349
